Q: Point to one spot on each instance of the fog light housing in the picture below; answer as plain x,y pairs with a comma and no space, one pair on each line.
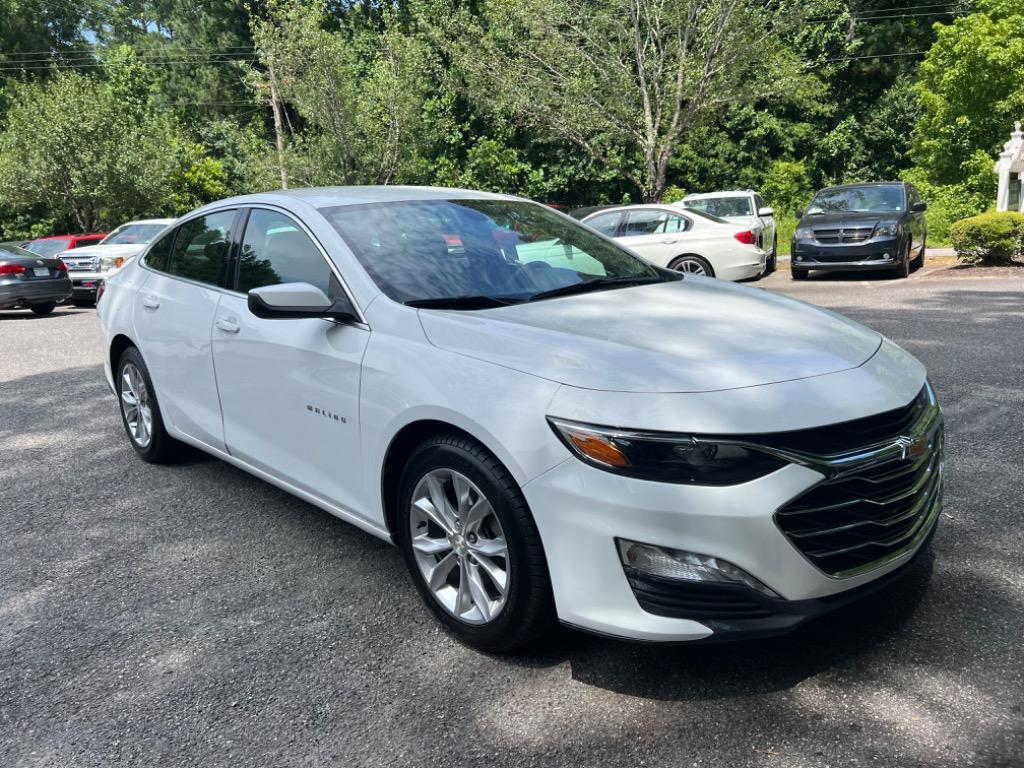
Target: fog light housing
683,566
799,258
887,256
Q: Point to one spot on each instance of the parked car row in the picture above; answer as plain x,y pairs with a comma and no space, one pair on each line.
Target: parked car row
29,281
734,235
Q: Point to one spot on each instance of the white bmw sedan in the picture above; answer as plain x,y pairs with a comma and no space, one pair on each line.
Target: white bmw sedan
490,385
684,240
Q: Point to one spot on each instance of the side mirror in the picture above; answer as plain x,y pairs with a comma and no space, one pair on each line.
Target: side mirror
799,213
289,301
765,211
919,207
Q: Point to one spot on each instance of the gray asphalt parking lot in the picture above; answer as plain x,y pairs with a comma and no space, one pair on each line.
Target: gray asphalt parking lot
193,615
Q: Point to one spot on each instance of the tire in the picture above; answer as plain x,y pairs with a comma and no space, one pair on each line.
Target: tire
130,380
83,302
692,264
918,261
772,262
903,266
44,309
496,622
798,274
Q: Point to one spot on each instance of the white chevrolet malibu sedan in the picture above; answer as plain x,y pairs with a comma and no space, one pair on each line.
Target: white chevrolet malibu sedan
549,427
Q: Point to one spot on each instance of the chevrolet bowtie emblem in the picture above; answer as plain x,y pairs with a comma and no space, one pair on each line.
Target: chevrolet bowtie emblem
913,447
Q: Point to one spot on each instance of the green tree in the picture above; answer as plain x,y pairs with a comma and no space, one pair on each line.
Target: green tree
625,81
111,157
971,91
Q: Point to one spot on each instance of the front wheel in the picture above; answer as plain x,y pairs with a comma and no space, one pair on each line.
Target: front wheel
45,308
472,547
83,302
798,274
692,264
772,262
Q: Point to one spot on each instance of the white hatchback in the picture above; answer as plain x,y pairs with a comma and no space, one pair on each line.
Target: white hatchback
549,427
685,241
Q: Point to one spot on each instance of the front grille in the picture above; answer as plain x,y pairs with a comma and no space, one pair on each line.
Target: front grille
876,509
842,236
81,264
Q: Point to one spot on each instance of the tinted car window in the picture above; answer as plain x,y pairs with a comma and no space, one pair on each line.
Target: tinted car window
160,251
275,250
858,200
653,223
606,223
201,248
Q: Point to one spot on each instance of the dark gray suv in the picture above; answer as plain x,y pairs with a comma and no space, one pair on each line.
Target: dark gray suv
861,226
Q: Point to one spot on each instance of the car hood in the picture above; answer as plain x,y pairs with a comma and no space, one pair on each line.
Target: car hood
834,220
125,250
693,335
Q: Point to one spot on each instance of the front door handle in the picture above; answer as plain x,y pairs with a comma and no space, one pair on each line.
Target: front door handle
227,326
150,302
669,240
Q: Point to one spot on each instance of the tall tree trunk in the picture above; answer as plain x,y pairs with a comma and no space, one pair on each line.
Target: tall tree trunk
275,106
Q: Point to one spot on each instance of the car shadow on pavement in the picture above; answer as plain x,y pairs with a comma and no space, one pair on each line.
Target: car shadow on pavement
27,314
693,672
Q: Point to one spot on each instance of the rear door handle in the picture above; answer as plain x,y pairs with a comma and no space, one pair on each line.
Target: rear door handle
227,326
149,302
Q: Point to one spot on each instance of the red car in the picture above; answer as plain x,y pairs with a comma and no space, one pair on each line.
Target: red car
50,246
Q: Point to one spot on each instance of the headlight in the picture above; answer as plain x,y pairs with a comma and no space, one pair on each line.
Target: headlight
107,263
803,233
887,229
665,457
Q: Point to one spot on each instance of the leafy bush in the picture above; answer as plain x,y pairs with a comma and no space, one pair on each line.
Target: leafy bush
948,203
991,238
787,186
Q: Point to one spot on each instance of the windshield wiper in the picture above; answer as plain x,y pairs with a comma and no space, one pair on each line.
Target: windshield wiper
461,302
595,285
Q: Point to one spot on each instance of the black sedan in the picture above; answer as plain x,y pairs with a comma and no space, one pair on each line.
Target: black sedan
31,282
861,226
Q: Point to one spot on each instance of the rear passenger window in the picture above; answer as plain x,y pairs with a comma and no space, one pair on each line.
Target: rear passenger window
201,248
159,252
275,250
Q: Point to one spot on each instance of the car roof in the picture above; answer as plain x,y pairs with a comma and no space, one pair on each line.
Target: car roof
728,193
634,206
321,197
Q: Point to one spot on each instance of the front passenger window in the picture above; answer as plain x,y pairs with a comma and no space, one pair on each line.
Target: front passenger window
275,250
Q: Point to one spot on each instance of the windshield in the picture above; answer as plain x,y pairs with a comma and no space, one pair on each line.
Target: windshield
11,251
432,251
857,200
134,234
48,247
722,206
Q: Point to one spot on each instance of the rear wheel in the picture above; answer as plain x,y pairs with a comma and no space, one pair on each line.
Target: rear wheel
692,264
472,547
45,308
140,411
772,262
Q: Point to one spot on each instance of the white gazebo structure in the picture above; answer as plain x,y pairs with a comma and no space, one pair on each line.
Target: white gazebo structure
1010,167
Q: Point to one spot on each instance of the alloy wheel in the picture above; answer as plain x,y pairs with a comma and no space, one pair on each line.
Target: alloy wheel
459,545
690,267
136,405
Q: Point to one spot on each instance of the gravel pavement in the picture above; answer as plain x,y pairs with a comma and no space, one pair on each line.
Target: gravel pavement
193,615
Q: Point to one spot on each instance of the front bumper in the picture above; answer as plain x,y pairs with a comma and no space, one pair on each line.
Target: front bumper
85,285
581,510
17,292
870,254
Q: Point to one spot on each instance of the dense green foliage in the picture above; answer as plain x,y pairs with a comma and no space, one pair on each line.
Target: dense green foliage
110,109
991,238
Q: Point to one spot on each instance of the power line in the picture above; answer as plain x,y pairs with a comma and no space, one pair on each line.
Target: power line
870,56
